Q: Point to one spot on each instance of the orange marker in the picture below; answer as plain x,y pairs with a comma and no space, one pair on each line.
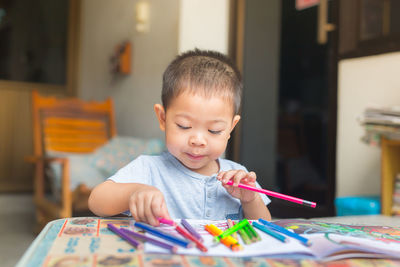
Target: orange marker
228,241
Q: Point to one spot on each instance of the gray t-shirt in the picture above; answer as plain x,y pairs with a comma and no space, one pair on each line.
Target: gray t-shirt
187,194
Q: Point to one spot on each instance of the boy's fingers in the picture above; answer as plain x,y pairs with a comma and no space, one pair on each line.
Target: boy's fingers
227,176
149,211
164,211
238,177
155,209
220,175
159,208
252,177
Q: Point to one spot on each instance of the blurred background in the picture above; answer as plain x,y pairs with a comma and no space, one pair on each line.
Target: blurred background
309,69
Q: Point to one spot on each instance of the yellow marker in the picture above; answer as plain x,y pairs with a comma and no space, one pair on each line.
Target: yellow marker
228,241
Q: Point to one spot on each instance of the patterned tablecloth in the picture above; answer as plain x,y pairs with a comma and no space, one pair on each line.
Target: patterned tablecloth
86,241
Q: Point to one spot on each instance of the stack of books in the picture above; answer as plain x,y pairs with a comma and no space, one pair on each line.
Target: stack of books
396,196
380,122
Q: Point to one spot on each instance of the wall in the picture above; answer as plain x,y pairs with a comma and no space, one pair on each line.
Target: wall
204,32
362,81
104,25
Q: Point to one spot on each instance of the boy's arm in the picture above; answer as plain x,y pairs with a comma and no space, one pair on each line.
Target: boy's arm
256,209
110,198
145,202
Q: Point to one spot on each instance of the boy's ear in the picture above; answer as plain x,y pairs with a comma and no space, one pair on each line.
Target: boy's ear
160,113
236,119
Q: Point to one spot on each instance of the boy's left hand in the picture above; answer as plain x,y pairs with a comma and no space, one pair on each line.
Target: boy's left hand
239,176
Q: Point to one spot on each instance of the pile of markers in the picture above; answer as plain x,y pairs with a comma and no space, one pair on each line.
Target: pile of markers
191,237
228,238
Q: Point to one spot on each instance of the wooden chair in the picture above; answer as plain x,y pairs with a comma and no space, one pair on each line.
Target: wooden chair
65,125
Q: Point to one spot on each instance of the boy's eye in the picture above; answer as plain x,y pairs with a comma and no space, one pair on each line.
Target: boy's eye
183,127
214,132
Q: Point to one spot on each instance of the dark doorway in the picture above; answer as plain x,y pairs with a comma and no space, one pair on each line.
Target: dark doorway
306,123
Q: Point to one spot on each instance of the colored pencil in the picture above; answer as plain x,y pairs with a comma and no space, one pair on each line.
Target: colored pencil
124,236
231,230
275,194
284,231
166,236
228,241
270,232
191,230
187,235
254,233
231,224
146,238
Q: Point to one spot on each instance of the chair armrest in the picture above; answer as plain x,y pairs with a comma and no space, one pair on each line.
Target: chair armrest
36,159
39,180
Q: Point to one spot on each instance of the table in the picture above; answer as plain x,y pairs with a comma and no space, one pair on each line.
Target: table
86,241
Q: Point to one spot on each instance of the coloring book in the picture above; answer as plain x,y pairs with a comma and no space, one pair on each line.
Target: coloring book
330,241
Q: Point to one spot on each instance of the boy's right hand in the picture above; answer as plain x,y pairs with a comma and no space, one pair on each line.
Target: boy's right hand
147,205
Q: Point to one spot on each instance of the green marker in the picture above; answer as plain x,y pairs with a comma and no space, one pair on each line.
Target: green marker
231,230
244,236
254,233
247,232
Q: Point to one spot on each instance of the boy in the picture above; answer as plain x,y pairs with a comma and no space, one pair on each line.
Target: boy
200,102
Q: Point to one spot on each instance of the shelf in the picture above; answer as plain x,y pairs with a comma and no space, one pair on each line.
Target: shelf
390,166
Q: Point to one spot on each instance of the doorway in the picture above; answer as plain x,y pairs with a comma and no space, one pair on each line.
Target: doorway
306,114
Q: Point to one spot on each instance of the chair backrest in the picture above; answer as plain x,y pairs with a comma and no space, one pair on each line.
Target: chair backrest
70,124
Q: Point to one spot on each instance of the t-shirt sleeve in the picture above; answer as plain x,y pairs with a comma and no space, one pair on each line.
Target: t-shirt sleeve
137,171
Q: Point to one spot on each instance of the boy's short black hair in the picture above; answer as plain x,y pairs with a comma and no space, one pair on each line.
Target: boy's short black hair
202,71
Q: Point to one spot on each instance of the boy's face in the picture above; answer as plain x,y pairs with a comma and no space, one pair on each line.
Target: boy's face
197,129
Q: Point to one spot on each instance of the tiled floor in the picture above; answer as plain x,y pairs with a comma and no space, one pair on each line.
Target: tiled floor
16,227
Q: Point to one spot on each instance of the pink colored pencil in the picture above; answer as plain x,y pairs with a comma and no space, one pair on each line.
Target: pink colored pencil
275,194
166,221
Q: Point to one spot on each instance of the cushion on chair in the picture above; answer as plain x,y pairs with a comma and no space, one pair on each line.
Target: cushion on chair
93,168
81,171
121,150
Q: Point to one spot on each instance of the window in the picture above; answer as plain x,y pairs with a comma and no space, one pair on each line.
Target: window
33,41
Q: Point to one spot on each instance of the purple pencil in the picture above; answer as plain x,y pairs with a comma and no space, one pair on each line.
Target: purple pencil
191,230
129,239
172,248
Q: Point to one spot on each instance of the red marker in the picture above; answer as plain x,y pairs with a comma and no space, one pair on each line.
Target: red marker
187,235
184,233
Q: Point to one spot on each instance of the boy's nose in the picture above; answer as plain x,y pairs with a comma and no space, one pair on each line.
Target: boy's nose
197,140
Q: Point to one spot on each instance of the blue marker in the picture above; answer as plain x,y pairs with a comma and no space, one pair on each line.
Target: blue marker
284,231
166,236
270,232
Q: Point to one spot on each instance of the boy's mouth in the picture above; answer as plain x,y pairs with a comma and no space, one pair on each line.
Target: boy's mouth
194,157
